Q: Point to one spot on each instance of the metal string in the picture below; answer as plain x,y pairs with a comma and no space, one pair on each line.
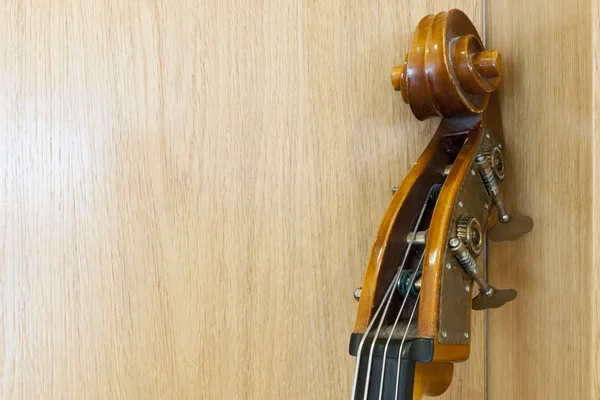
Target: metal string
387,301
412,314
369,327
387,343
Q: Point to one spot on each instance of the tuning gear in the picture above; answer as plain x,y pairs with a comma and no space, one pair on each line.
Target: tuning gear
469,231
489,296
491,169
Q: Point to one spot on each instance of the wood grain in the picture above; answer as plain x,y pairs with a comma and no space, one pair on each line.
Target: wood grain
542,345
595,274
190,191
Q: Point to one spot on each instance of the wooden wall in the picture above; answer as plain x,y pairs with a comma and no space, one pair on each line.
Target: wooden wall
190,190
541,346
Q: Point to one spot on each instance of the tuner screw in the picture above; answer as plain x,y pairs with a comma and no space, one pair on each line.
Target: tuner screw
357,292
466,335
444,334
394,190
468,288
449,266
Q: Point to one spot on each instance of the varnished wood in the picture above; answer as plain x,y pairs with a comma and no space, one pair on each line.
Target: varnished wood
438,237
447,71
372,281
438,232
432,379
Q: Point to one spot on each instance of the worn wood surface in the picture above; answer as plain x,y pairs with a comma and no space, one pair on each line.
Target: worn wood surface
190,191
542,346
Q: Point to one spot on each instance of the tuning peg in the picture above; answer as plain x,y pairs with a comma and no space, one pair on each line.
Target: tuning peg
489,296
494,298
491,169
512,229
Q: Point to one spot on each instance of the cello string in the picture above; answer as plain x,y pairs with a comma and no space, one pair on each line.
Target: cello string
387,305
412,314
387,343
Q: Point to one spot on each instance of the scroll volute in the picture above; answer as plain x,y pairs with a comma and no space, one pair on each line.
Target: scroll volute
447,72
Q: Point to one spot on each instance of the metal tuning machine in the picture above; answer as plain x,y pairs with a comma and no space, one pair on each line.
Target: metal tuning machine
469,240
491,169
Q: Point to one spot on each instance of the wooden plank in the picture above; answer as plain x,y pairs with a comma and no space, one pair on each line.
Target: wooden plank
190,190
595,273
541,344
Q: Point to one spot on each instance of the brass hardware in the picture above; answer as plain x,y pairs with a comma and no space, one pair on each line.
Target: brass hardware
457,247
497,159
471,200
447,169
418,285
492,171
419,239
469,231
490,179
488,297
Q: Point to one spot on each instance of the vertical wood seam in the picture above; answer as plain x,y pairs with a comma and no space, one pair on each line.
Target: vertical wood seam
595,387
486,321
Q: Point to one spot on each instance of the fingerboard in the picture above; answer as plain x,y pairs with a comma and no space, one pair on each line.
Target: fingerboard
398,381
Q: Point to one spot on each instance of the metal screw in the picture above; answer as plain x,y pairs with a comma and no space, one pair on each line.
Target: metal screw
394,190
449,266
357,293
466,334
460,204
468,288
486,206
472,172
500,145
487,135
444,334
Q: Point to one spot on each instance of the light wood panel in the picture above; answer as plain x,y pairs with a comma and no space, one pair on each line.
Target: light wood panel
190,190
595,274
542,345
